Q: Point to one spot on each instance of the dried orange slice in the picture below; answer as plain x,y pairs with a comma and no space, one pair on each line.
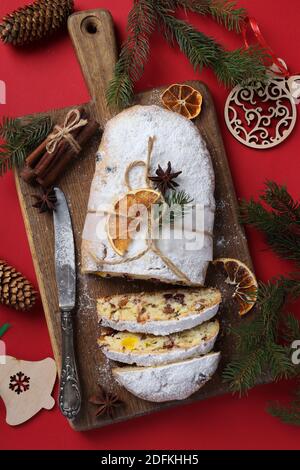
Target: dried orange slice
183,99
244,281
126,211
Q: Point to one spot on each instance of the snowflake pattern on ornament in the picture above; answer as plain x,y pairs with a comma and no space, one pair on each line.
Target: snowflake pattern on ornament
19,383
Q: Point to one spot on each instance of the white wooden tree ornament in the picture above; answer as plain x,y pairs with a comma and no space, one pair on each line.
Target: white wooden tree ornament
263,115
26,387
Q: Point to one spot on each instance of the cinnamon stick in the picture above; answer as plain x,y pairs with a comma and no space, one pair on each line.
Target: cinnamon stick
33,158
45,167
28,173
48,159
60,165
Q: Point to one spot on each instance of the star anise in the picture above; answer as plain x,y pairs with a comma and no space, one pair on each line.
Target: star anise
106,402
46,201
165,178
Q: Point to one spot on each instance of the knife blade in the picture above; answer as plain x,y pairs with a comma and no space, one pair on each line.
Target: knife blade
64,253
65,269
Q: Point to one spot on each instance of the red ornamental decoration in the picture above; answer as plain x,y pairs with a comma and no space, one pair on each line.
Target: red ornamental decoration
262,115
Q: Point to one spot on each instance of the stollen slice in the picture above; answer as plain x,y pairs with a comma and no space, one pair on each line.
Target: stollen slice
176,381
149,350
159,313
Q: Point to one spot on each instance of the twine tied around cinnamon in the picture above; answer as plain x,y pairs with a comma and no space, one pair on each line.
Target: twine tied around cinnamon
72,122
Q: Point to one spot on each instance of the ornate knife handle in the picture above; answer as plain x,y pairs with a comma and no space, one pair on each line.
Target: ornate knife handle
69,395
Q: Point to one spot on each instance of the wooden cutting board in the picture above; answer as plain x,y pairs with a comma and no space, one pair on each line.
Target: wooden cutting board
93,38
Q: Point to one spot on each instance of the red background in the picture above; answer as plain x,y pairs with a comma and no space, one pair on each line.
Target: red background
49,76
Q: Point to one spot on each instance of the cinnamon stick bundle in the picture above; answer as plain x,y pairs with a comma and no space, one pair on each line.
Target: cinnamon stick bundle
45,167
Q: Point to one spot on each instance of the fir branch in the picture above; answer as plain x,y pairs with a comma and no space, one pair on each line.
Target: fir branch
289,414
226,13
4,328
291,328
179,203
134,54
280,223
20,139
277,215
36,130
244,371
223,11
178,198
260,340
199,49
230,67
278,198
240,66
279,361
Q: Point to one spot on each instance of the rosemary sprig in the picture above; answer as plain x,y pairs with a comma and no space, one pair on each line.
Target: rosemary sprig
178,198
179,203
20,139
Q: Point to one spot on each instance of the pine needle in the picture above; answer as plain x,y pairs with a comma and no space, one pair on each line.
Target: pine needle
223,11
259,351
20,139
231,68
134,54
199,49
280,222
4,328
240,66
179,203
178,198
243,372
289,414
272,330
226,13
291,328
278,198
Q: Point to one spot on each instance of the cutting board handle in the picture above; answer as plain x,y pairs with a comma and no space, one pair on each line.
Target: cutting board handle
92,34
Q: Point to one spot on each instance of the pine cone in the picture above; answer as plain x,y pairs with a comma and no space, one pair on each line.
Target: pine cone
15,290
36,21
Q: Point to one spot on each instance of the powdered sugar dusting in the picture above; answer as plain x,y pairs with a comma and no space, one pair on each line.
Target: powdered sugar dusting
126,139
64,249
170,382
